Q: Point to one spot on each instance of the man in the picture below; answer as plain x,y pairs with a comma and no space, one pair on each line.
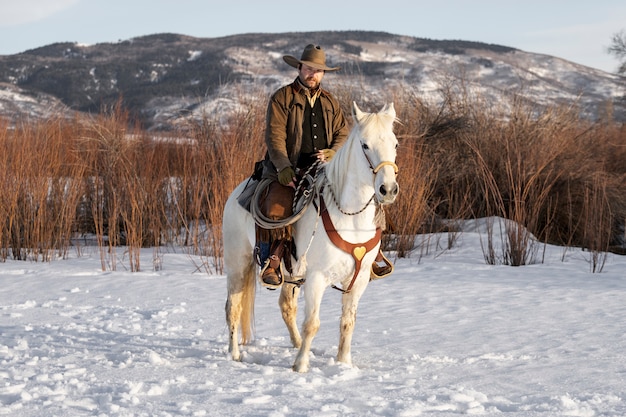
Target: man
304,123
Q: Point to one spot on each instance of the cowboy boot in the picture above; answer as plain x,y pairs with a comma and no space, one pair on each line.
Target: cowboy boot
271,273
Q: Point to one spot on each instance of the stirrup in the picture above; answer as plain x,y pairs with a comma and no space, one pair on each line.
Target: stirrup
279,272
382,271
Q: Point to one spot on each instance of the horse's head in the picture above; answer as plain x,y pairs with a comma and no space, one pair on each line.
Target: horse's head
379,145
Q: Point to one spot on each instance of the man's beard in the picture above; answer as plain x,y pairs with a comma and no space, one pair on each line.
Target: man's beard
311,83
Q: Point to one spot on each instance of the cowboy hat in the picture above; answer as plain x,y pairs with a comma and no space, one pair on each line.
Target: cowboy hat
313,56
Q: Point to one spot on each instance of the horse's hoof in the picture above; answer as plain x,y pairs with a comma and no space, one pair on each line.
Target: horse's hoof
236,356
300,368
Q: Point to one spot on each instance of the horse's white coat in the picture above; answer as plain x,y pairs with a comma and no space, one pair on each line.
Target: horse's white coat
350,177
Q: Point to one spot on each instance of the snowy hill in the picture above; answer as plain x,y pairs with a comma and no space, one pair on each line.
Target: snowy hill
16,102
165,79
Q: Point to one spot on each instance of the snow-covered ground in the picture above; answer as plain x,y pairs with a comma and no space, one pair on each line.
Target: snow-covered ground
445,335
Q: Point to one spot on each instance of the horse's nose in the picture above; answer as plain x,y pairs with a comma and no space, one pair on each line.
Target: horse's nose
392,192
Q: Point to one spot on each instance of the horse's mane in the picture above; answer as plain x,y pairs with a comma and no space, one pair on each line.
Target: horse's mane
336,168
370,125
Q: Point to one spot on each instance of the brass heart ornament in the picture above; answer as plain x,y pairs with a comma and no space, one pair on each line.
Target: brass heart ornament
359,252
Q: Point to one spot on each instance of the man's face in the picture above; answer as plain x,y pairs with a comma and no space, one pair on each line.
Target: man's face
310,77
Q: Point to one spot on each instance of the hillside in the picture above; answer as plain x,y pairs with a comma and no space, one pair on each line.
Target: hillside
164,79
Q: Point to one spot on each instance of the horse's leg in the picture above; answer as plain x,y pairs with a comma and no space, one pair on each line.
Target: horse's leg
233,309
240,307
313,292
350,303
240,267
288,302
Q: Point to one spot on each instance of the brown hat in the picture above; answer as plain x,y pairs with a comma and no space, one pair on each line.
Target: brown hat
313,56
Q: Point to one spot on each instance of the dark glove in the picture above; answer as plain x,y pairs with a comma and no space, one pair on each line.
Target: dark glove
328,154
286,175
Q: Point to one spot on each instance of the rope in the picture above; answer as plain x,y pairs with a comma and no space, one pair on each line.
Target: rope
307,178
302,259
303,196
332,193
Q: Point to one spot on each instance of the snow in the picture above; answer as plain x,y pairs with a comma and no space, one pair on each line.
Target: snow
444,335
194,55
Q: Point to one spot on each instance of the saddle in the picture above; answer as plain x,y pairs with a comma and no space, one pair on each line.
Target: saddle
284,207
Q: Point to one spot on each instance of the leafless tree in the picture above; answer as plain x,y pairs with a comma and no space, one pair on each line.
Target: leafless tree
618,48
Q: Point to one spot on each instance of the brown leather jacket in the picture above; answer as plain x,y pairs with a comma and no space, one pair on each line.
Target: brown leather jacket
283,133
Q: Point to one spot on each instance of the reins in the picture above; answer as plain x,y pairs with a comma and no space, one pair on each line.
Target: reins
332,193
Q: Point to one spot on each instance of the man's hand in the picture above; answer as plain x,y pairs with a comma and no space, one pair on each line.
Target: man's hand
287,177
325,155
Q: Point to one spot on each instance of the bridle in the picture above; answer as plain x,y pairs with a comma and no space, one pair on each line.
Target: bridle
374,172
383,164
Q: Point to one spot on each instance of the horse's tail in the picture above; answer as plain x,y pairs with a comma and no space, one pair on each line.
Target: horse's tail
247,303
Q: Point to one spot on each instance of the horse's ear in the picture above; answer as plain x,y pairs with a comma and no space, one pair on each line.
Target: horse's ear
389,109
356,112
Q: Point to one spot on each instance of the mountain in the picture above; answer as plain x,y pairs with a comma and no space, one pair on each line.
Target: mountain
164,79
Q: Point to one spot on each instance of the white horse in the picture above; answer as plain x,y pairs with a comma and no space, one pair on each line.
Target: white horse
360,178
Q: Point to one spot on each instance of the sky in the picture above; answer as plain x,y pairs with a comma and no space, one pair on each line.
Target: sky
579,31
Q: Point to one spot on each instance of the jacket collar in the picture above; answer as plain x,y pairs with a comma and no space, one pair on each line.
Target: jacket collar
298,87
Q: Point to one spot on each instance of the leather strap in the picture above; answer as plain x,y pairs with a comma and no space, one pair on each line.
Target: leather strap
356,250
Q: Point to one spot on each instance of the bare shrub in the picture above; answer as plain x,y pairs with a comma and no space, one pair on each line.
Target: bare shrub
517,170
223,156
411,213
40,188
553,176
518,162
104,149
597,221
592,166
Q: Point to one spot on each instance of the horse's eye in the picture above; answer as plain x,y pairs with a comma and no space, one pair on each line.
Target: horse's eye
365,146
